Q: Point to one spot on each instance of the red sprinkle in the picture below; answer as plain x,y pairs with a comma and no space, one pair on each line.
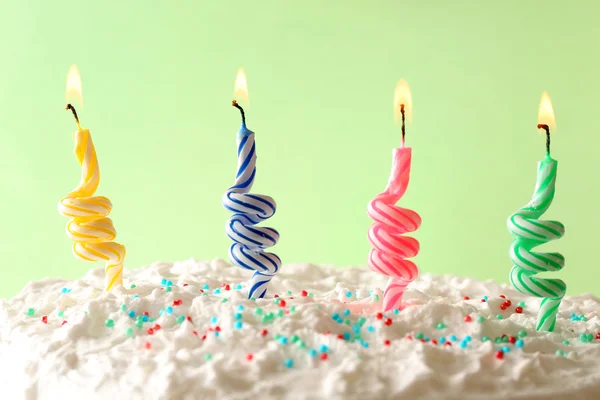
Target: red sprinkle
218,328
499,355
64,322
195,333
146,313
379,315
503,306
468,318
503,296
409,337
447,344
177,302
185,284
483,300
282,303
148,345
434,341
304,293
156,327
386,342
45,319
227,287
203,337
249,356
519,310
264,332
340,336
512,339
189,318
508,303
466,298
275,296
388,321
150,331
323,356
598,336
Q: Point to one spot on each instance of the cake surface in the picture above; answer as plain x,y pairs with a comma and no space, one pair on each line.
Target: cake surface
201,338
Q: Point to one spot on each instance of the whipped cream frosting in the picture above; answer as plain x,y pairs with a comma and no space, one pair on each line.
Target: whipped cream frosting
322,338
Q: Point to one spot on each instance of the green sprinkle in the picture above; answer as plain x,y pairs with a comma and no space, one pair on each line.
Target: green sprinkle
480,319
168,289
224,300
583,337
293,309
258,311
440,326
207,356
289,292
361,321
566,342
132,287
61,313
109,323
590,337
30,312
559,352
310,295
347,322
277,336
376,298
294,338
139,324
499,316
280,313
276,301
318,307
301,344
522,333
123,307
485,338
129,332
419,335
521,304
505,339
180,319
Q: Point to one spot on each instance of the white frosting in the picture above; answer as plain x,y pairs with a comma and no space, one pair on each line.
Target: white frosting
86,359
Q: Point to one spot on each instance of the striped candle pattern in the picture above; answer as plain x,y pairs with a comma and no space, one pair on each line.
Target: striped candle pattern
529,231
386,235
250,241
90,228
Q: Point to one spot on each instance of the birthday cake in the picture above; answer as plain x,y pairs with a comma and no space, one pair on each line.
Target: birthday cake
186,330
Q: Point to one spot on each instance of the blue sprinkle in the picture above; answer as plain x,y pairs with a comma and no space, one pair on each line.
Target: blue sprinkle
135,297
356,328
396,311
289,363
169,283
506,349
335,316
426,339
216,333
573,314
346,312
442,340
468,338
340,320
463,345
348,294
346,335
240,307
485,298
161,312
64,290
217,291
575,319
323,348
169,310
453,338
145,318
370,328
365,344
131,314
214,320
238,287
238,325
163,282
283,340
312,353
205,286
237,315
519,343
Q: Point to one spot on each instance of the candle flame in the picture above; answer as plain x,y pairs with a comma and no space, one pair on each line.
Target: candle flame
546,112
74,94
240,92
402,95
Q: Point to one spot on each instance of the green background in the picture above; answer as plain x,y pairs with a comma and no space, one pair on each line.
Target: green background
158,82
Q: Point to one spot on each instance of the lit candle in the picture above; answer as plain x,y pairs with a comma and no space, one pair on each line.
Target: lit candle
250,241
529,231
390,222
90,228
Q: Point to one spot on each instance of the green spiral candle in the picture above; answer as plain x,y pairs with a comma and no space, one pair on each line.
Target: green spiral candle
529,231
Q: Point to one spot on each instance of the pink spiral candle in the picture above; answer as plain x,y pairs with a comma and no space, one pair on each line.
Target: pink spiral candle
390,222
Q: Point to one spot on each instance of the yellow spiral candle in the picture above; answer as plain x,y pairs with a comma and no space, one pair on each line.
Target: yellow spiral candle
89,226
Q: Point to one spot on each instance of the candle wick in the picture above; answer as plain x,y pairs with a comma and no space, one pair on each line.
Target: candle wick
403,122
70,107
236,105
547,129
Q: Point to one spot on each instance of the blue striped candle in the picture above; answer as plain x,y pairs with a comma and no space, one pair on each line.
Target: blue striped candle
249,240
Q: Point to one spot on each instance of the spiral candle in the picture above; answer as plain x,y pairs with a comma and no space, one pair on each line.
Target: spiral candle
247,251
390,247
530,232
90,228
